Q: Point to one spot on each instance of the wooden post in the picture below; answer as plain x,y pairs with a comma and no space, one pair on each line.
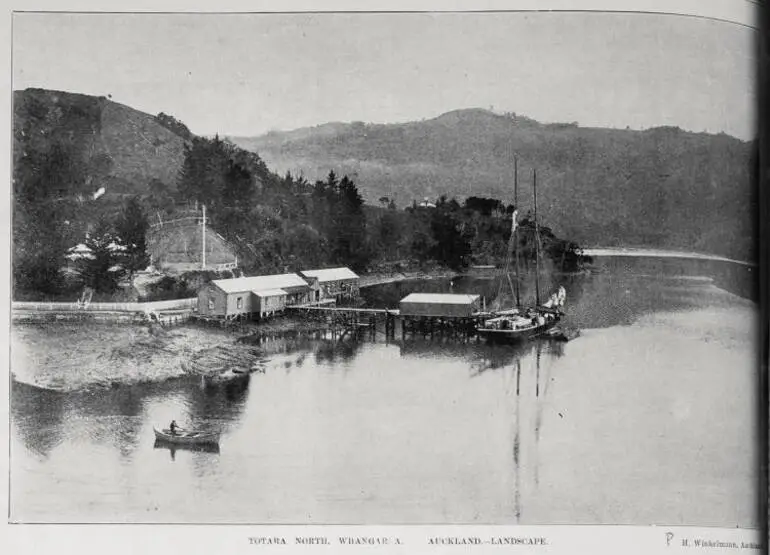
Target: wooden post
203,239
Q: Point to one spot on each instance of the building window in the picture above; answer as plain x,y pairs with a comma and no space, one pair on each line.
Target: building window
211,304
239,303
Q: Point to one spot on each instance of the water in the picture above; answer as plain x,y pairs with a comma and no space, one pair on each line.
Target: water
648,418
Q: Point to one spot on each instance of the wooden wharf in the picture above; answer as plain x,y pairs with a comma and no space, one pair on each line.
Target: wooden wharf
355,310
351,319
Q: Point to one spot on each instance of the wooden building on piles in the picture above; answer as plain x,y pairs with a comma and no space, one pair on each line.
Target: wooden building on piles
257,296
335,283
439,305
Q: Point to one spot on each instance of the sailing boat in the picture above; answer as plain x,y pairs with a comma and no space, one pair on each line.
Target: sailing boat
520,322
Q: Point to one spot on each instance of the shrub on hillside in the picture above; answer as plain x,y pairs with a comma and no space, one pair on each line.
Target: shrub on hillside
169,288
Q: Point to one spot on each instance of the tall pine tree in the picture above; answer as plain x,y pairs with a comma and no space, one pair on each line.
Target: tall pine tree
131,229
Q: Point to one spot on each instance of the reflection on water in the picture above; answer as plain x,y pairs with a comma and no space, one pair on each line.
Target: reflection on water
172,448
642,420
478,355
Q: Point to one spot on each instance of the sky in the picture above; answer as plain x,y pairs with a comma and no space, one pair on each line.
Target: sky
246,74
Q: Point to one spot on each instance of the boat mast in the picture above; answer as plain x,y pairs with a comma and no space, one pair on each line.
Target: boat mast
516,229
537,242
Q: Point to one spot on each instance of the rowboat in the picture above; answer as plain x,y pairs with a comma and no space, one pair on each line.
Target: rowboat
196,447
187,437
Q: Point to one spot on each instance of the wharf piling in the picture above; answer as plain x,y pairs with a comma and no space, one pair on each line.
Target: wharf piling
337,322
429,326
343,321
349,321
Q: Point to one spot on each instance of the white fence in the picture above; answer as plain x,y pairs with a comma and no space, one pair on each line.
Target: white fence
227,266
154,306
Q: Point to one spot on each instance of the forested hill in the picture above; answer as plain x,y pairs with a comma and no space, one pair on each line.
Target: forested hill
86,164
124,150
89,174
661,187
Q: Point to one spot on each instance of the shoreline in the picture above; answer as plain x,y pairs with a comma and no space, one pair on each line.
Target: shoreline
156,353
641,252
370,280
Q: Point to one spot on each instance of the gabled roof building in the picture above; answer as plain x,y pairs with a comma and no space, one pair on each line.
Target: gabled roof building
335,283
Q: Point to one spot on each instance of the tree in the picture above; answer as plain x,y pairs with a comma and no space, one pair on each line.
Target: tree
160,198
131,229
387,233
49,175
237,190
39,249
348,234
451,247
102,267
205,166
174,125
485,206
304,247
419,238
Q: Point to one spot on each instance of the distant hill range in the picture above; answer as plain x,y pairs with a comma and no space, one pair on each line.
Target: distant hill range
661,187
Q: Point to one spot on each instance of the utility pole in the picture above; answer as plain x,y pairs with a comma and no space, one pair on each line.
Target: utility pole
203,239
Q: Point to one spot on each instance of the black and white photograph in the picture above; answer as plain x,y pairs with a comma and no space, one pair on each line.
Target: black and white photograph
384,268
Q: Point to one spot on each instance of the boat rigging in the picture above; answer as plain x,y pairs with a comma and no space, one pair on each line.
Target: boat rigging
520,322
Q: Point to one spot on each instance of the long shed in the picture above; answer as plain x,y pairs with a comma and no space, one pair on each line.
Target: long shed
268,302
257,295
297,289
439,305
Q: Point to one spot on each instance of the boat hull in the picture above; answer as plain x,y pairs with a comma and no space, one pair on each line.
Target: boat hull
187,438
196,447
514,335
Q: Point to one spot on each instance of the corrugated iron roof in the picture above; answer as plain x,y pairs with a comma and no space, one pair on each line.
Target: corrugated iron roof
270,293
331,274
259,283
439,298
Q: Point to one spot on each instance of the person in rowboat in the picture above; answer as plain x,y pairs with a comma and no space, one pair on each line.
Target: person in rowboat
173,427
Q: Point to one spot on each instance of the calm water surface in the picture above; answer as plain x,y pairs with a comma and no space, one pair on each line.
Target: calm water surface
649,417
